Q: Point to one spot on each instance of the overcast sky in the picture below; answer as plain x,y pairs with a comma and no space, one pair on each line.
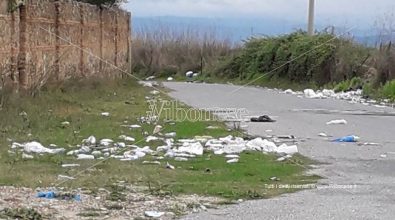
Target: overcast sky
339,12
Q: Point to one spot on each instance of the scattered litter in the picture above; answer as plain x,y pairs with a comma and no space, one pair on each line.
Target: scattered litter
155,92
281,159
171,135
263,118
337,122
106,142
286,137
85,157
351,138
153,214
259,144
70,165
127,138
323,135
90,140
35,147
181,159
289,91
134,126
232,156
151,162
383,156
275,179
191,148
157,129
65,123
293,149
61,196
169,166
233,161
150,78
62,177
189,74
151,138
27,156
170,79
309,93
105,114
212,127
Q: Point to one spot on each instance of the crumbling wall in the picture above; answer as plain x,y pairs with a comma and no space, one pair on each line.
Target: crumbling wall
49,40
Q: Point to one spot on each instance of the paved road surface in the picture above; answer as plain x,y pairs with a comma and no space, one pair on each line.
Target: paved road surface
345,164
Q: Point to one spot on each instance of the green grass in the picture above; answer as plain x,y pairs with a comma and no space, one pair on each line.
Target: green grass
81,103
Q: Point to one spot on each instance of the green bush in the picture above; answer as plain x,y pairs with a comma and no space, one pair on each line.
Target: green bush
297,57
388,90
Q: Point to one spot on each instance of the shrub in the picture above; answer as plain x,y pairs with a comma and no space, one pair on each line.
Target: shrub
388,90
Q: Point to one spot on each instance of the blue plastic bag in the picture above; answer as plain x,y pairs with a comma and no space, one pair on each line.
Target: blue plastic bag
53,195
350,139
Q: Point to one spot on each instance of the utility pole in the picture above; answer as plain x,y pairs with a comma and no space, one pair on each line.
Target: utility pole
310,27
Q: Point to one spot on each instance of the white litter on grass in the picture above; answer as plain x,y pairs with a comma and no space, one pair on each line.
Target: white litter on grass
127,138
259,144
70,165
27,156
153,214
85,157
62,177
212,127
155,92
233,161
105,114
36,147
151,162
134,126
65,123
189,74
191,148
232,156
151,138
157,129
170,79
181,159
169,166
106,142
337,122
171,135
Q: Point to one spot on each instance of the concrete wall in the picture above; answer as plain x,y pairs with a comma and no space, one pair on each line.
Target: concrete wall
48,40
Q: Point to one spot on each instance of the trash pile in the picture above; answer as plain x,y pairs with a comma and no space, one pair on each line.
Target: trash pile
180,150
350,96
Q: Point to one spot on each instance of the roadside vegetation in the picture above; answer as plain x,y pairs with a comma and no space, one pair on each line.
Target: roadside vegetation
81,103
293,60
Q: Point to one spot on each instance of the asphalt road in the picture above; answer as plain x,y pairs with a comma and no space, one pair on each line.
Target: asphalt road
372,176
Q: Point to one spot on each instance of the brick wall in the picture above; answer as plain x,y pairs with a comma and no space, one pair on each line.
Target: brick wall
48,40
